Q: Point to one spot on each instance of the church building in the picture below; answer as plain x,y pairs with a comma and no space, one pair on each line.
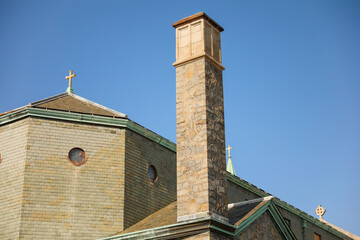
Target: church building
73,169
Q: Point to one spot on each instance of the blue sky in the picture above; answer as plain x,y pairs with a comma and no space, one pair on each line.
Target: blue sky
291,84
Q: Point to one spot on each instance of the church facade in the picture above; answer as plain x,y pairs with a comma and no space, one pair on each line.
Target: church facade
73,169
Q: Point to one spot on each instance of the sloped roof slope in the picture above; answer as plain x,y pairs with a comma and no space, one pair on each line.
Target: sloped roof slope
70,102
163,223
239,212
165,216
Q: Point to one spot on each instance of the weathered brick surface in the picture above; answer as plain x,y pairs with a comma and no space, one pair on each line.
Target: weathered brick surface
142,196
44,196
63,201
12,149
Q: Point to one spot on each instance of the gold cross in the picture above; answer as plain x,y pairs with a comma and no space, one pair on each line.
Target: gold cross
229,148
71,75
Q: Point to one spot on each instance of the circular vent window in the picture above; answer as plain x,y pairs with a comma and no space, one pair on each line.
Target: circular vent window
153,175
77,156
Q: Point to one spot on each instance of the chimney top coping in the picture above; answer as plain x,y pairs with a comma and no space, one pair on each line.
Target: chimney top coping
195,17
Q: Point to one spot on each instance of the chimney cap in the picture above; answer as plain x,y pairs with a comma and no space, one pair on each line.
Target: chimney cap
195,17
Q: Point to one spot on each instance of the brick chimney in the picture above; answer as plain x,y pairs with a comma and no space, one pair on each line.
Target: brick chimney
201,158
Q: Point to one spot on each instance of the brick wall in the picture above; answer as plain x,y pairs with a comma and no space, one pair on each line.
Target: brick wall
63,201
13,138
142,196
236,193
308,232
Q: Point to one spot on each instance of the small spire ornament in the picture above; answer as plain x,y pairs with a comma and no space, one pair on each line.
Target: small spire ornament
229,166
70,77
320,211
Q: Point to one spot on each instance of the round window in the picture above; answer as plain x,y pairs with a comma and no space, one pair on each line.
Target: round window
77,156
153,175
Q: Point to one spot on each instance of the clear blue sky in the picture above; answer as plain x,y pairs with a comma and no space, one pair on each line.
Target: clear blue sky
291,84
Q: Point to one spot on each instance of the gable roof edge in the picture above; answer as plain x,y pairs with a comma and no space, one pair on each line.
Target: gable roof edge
182,229
262,193
27,111
274,213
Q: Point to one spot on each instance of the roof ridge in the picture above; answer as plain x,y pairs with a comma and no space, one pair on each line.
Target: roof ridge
48,99
84,100
304,215
237,204
347,233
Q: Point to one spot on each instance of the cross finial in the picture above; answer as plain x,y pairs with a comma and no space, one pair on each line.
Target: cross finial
71,75
320,211
229,148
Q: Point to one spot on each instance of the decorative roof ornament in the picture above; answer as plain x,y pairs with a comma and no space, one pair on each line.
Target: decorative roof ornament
320,211
230,166
71,75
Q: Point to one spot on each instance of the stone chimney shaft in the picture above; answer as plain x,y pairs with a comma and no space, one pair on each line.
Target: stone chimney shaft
201,158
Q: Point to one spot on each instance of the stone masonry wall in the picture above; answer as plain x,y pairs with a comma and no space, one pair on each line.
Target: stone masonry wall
13,138
142,196
261,228
63,201
216,139
200,140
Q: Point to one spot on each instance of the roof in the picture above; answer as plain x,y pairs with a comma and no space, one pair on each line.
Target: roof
71,107
349,234
280,203
70,102
239,212
163,223
165,216
197,16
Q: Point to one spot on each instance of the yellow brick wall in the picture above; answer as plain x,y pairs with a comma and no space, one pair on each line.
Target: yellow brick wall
142,197
12,149
63,201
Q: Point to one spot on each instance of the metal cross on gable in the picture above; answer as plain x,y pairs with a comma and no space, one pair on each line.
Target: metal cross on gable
70,77
229,149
